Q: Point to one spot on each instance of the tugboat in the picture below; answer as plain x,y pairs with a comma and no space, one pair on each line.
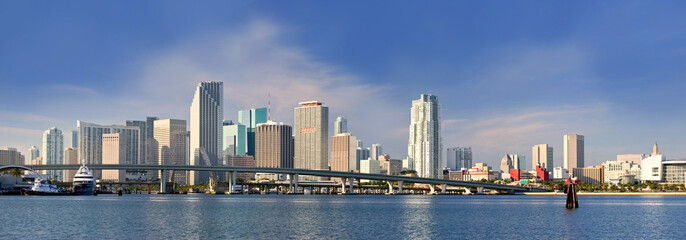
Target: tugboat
83,181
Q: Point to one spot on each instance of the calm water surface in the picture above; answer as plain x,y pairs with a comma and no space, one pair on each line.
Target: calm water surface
199,216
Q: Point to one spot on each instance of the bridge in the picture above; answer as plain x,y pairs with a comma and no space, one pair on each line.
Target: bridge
293,174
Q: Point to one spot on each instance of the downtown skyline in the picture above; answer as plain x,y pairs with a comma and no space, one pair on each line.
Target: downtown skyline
620,102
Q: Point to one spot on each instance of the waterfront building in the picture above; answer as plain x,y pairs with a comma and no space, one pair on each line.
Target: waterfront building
240,161
480,171
250,118
376,151
459,158
273,147
170,136
146,146
369,166
573,151
235,139
542,155
311,137
90,142
10,156
560,173
114,152
674,171
651,168
340,126
37,161
614,170
52,151
518,161
425,147
390,166
344,153
206,128
538,174
34,152
592,175
71,156
74,139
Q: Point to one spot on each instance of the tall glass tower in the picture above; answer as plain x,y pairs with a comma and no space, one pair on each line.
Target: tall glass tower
52,151
206,127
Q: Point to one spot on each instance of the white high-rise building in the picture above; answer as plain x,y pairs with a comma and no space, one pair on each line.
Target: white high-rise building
170,135
424,147
311,137
33,154
52,151
206,127
573,151
340,126
114,152
542,155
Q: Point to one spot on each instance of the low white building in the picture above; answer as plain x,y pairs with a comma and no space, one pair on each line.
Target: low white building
651,168
369,166
559,173
614,170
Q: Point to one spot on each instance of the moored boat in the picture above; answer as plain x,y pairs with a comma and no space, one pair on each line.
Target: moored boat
84,184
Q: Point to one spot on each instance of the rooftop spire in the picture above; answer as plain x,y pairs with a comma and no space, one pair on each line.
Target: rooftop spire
655,150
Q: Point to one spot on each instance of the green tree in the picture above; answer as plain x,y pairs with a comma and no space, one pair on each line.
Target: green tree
16,173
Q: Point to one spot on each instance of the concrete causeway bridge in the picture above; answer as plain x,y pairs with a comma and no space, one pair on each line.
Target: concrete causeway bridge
293,174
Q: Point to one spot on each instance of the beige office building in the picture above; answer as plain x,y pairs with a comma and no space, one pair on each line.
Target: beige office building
71,156
273,145
113,152
573,151
592,175
344,153
632,158
311,138
542,155
170,136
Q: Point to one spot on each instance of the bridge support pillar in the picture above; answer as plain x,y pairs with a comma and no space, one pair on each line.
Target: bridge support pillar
390,187
163,185
443,187
295,179
432,189
400,186
343,180
351,185
480,189
290,183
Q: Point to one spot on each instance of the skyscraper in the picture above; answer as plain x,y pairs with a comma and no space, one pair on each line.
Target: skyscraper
250,118
424,147
376,151
344,153
10,156
274,145
506,164
143,126
90,142
542,155
75,139
235,139
206,127
311,136
33,153
114,152
340,126
71,156
517,161
170,135
52,151
459,157
573,151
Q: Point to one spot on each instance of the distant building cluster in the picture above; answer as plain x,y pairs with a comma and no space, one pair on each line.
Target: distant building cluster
254,140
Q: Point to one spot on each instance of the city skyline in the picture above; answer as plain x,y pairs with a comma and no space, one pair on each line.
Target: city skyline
588,95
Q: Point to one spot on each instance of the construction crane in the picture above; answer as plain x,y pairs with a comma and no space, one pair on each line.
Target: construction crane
213,177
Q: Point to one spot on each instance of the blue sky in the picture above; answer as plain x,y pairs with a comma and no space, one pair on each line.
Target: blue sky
508,74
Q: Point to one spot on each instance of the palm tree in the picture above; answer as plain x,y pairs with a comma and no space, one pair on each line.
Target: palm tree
16,173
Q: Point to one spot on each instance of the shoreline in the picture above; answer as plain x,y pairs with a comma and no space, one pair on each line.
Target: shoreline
610,193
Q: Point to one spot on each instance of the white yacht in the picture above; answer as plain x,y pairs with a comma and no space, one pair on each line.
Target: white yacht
84,183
